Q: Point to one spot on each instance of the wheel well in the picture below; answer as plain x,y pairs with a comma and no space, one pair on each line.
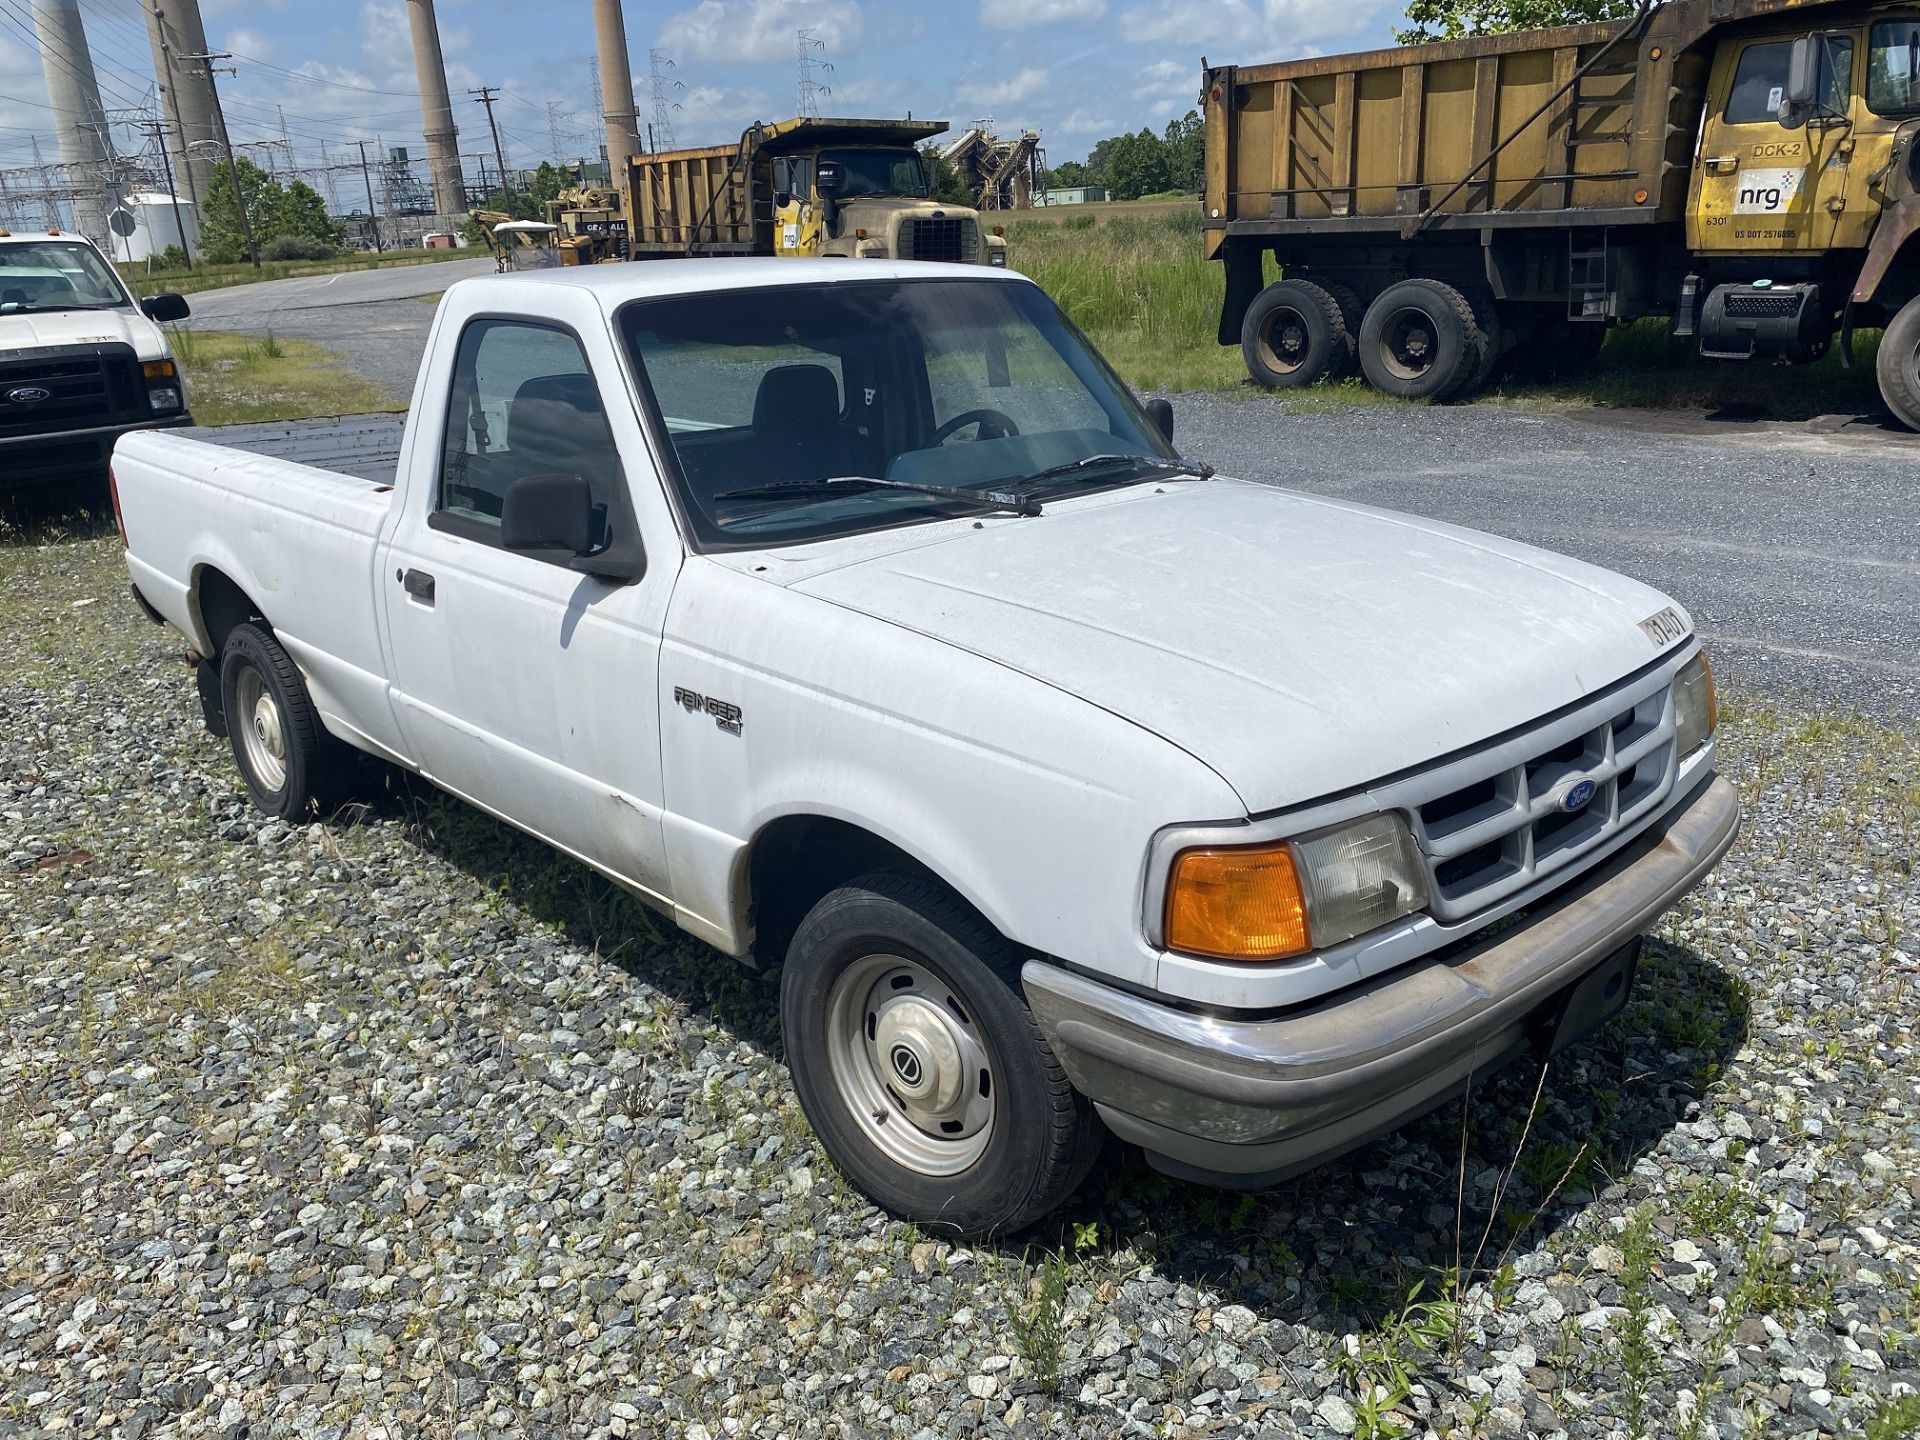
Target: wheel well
223,605
799,858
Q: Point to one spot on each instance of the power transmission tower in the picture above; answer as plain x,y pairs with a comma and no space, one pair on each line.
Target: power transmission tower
226,143
485,95
156,130
554,109
373,219
806,46
663,86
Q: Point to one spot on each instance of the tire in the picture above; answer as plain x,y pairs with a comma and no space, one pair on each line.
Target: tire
1421,340
919,1065
1295,333
1897,365
1352,308
292,766
1486,316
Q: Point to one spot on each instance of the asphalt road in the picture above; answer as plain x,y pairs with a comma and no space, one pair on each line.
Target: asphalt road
1796,546
373,317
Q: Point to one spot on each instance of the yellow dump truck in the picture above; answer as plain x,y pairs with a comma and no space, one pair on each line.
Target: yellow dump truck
804,187
1746,167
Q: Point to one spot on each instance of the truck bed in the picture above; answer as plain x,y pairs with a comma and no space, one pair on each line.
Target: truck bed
365,446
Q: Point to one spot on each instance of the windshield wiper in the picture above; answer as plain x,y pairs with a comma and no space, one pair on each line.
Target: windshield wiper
989,499
1165,467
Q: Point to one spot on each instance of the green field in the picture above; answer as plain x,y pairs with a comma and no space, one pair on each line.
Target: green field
232,379
1133,279
218,277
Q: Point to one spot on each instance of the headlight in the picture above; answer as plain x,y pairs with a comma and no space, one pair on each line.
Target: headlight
997,256
1696,709
163,384
164,397
1266,902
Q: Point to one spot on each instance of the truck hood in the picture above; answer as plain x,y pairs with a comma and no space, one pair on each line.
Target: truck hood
1299,646
48,328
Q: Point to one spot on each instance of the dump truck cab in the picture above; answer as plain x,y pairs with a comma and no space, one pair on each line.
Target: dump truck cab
807,188
1440,212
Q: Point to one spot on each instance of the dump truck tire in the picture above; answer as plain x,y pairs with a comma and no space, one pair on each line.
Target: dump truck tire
1295,333
1897,365
1486,315
1421,341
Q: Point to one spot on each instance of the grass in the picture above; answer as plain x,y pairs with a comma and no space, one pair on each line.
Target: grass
232,379
1133,279
217,277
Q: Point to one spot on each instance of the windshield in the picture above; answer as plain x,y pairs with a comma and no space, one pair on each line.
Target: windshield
879,172
1893,67
946,386
56,275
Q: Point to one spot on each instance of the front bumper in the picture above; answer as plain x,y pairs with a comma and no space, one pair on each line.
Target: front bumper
69,454
1250,1101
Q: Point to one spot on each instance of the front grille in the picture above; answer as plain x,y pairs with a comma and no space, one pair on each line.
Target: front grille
945,238
1494,822
1745,305
84,388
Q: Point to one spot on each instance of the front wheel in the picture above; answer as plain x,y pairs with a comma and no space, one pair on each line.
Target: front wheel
1897,365
919,1065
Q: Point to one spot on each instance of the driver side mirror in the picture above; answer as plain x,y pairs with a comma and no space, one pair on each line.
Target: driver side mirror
548,512
827,179
1803,82
1160,411
166,307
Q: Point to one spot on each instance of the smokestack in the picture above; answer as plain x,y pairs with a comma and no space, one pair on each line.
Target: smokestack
436,110
186,92
616,89
82,123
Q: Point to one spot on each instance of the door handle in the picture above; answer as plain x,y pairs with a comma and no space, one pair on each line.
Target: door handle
419,584
1719,162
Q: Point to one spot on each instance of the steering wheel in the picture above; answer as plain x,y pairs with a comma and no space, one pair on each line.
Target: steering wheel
1000,424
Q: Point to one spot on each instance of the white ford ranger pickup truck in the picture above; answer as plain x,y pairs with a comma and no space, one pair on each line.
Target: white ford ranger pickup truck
860,619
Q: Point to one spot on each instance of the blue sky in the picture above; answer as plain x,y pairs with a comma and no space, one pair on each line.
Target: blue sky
1077,70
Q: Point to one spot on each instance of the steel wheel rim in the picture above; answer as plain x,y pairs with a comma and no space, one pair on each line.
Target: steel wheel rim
1283,340
1409,342
262,732
910,1064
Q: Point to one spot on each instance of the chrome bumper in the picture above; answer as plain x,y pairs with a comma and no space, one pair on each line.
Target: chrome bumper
1251,1101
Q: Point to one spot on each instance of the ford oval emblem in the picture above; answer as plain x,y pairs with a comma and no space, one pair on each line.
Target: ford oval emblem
1577,796
29,394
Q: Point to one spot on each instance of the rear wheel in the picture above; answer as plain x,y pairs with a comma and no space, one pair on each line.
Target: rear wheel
1295,333
1421,340
919,1065
1897,365
292,766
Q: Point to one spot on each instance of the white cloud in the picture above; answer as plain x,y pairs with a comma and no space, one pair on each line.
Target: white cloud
1282,26
1013,90
1020,14
250,43
749,32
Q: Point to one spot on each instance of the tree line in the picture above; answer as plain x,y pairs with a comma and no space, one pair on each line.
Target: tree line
1128,166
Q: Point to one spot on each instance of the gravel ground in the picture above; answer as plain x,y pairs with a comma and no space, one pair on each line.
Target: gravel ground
402,1125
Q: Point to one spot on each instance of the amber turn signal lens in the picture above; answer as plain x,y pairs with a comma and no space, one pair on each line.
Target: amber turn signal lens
157,369
1241,903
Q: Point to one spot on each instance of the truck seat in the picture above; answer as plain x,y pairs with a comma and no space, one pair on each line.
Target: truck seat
796,424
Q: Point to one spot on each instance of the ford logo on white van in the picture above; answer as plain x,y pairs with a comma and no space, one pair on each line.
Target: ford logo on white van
1577,796
29,394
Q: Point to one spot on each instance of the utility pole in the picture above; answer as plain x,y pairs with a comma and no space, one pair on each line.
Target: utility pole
373,220
157,129
485,96
233,165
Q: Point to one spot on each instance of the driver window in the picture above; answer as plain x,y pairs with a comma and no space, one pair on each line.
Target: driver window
1760,81
523,403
